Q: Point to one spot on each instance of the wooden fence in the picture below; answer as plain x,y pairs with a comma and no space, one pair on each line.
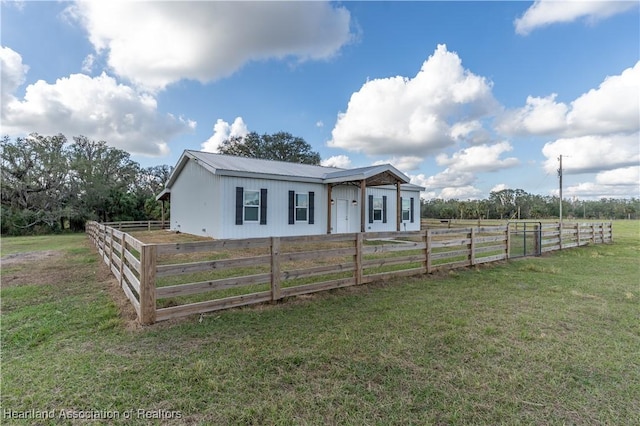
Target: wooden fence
143,225
165,281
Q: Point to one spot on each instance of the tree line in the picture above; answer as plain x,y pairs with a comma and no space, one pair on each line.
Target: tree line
518,204
50,184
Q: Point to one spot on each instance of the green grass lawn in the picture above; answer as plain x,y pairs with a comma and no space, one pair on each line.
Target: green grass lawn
549,340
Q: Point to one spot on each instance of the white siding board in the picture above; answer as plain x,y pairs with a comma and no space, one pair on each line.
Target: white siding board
193,201
277,208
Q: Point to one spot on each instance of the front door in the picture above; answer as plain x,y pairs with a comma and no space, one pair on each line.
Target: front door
342,216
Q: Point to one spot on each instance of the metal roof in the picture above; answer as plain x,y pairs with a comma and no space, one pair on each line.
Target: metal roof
256,165
230,165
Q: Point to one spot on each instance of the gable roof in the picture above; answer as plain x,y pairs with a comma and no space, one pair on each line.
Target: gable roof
229,165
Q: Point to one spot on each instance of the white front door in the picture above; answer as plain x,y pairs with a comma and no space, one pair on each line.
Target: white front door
342,216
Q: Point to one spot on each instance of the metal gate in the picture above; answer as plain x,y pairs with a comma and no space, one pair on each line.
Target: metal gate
525,239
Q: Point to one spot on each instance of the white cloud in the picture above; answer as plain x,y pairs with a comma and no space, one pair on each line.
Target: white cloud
402,163
622,176
444,179
88,63
614,107
460,193
339,161
499,187
547,12
588,154
13,73
540,116
471,132
480,158
98,108
414,116
595,190
223,131
319,124
155,44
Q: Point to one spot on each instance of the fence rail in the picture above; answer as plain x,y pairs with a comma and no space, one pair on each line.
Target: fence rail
165,281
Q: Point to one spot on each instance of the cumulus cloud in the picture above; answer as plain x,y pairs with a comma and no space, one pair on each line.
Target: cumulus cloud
622,176
594,190
613,107
446,178
98,108
402,163
223,131
414,116
540,116
589,154
339,161
13,73
547,12
154,44
460,193
499,187
618,183
481,158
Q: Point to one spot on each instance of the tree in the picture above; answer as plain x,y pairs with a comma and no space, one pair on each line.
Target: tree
102,177
35,174
281,146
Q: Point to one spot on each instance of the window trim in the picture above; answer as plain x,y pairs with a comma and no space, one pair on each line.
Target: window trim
300,208
252,206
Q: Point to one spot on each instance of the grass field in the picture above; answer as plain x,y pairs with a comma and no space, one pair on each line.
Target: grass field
549,340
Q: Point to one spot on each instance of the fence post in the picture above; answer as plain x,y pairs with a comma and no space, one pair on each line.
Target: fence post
578,233
358,258
428,251
275,269
110,247
123,248
537,244
508,248
602,232
560,234
148,284
472,247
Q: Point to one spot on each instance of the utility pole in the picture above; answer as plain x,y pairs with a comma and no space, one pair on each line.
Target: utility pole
560,177
560,224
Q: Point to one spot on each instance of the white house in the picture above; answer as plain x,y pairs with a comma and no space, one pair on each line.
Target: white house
223,196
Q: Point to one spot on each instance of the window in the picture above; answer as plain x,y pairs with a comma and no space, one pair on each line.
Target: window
301,207
251,206
406,209
302,203
377,209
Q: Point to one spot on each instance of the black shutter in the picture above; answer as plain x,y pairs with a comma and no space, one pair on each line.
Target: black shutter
384,209
292,207
239,204
311,208
370,208
401,216
263,206
411,209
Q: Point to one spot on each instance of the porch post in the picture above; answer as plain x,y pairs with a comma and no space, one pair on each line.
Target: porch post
329,208
363,200
398,207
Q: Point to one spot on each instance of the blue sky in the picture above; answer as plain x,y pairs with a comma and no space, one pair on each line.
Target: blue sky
464,97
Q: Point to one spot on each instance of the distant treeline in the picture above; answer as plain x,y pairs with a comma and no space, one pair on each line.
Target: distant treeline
50,184
518,204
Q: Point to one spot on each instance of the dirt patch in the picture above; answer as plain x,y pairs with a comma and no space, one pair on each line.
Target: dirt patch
30,256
